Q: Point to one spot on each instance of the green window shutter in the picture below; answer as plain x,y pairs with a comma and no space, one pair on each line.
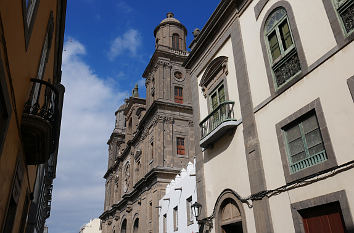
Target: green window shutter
221,92
304,144
313,135
214,101
295,144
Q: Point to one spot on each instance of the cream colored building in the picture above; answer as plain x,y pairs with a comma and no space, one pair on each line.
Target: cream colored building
94,226
273,88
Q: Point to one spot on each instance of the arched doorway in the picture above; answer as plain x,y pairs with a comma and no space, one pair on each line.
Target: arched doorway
229,215
136,226
124,226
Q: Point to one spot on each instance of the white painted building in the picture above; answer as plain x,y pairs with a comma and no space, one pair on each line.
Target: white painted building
94,226
175,207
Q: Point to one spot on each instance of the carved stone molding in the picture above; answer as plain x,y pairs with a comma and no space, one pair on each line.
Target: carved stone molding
190,123
164,63
215,69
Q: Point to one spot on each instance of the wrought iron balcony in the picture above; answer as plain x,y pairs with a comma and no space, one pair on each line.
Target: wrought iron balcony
217,123
41,121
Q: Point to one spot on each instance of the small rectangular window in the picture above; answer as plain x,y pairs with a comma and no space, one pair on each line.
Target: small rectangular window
189,210
304,143
180,146
179,95
175,218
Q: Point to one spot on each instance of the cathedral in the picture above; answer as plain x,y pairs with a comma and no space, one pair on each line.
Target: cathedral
153,138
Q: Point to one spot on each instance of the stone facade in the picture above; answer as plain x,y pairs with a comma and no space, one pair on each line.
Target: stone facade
143,152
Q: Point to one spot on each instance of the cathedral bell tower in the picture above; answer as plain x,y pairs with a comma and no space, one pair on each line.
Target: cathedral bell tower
171,33
165,76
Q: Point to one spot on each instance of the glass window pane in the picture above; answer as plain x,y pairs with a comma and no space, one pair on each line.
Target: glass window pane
310,124
274,45
316,149
313,138
298,157
221,91
293,133
286,35
214,101
296,146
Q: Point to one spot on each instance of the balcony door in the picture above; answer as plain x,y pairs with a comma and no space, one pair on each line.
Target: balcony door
216,98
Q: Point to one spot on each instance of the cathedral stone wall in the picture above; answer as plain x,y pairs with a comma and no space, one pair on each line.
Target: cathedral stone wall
143,155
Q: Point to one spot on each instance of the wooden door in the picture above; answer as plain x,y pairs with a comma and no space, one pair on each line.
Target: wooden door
323,219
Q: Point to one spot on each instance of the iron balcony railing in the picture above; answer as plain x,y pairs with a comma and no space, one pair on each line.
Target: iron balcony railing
308,162
224,112
40,126
42,103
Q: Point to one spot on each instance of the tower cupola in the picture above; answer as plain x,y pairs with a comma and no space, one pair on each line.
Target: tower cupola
171,33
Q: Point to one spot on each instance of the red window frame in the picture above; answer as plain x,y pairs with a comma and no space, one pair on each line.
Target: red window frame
179,95
180,146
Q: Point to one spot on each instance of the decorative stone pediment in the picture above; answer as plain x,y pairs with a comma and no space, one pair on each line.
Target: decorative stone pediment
215,69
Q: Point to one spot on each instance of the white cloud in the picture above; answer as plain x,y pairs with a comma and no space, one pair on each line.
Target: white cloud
123,6
88,120
129,42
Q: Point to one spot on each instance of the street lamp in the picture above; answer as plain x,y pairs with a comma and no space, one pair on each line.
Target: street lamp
196,209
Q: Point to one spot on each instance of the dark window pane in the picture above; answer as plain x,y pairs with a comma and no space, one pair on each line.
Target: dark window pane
214,101
313,138
221,91
274,45
310,124
316,149
296,146
293,133
297,157
285,35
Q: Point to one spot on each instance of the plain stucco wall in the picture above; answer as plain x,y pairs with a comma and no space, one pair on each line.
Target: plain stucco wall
186,180
225,164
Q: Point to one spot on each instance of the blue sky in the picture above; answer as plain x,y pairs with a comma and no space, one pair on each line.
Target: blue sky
108,44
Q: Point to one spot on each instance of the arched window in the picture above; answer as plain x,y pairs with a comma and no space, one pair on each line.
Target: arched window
136,226
175,41
124,227
282,52
345,11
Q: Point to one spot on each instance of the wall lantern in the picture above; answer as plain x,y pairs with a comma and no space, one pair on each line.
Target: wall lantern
196,209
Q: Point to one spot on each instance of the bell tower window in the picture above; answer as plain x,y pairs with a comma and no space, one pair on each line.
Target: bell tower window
175,41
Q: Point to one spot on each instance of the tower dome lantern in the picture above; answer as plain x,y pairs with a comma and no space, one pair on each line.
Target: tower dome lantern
171,33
